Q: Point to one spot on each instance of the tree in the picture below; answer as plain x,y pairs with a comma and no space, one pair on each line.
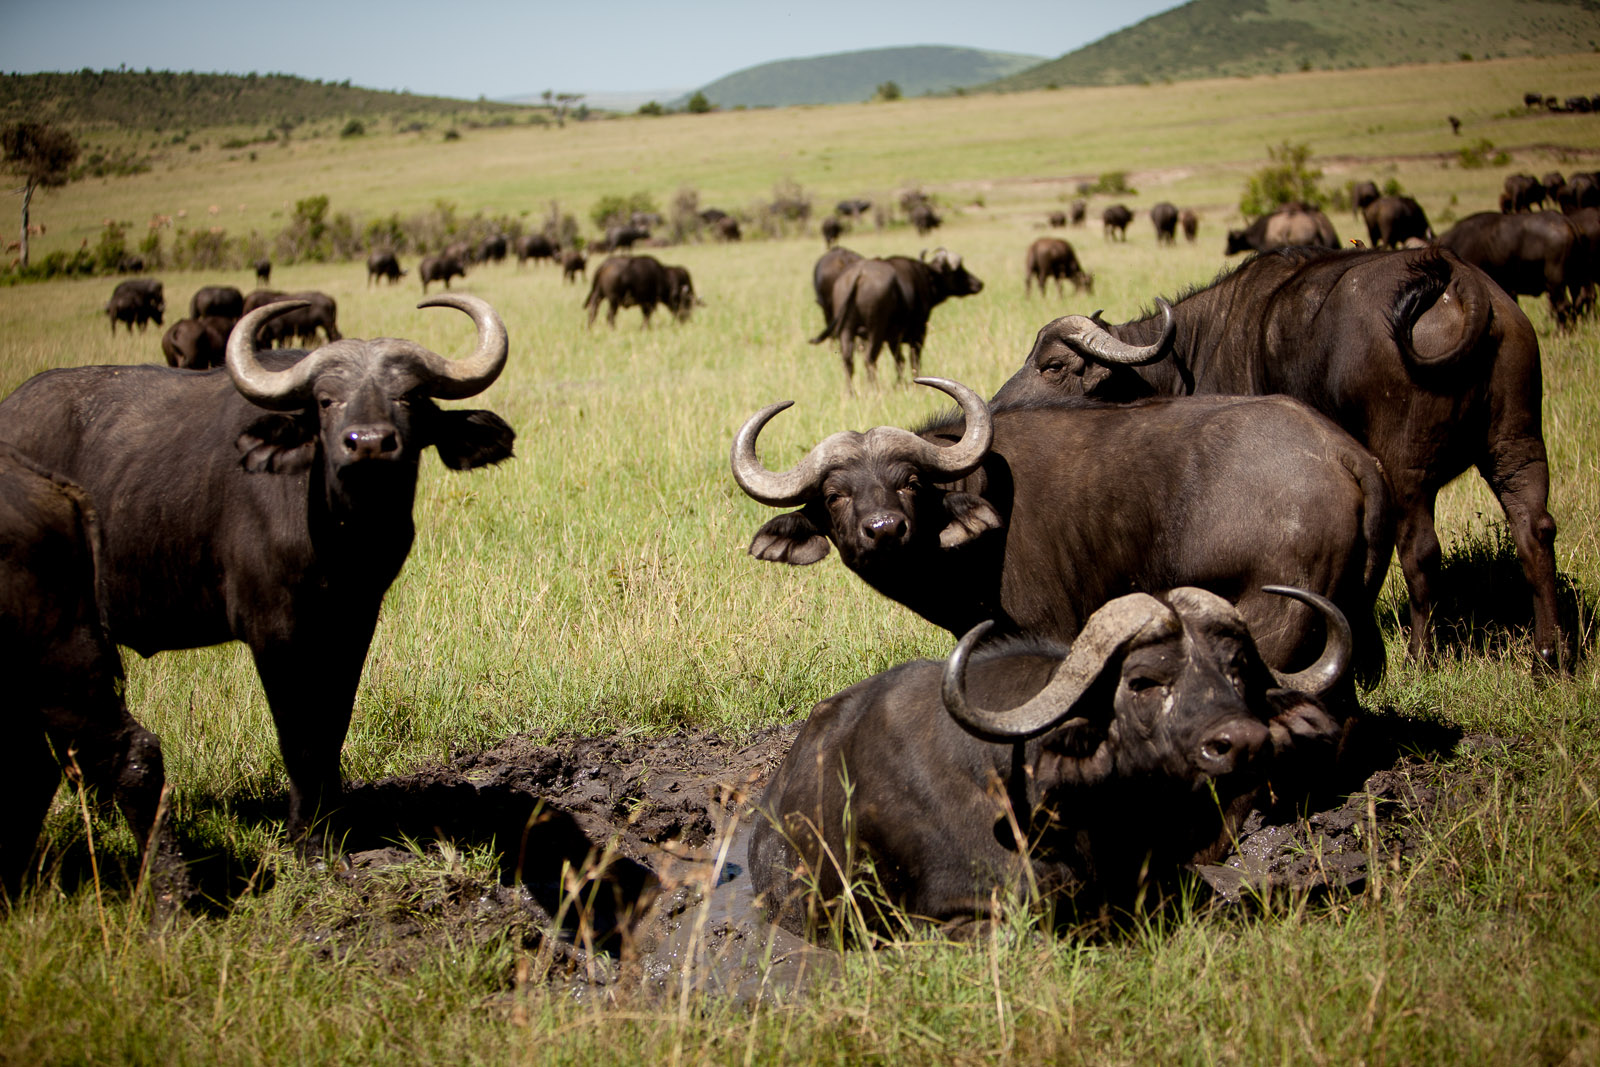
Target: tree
887,91
39,154
698,104
1289,178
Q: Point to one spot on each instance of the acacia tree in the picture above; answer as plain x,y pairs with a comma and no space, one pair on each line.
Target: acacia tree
39,154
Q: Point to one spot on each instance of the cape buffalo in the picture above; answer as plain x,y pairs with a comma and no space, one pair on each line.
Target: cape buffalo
1164,217
1580,191
63,674
313,311
727,228
1077,211
852,209
1041,512
641,282
492,249
888,301
573,264
268,503
1523,192
136,300
831,229
1417,354
829,266
1362,194
534,246
1051,257
1526,254
1057,219
382,263
1115,219
221,301
197,344
1099,771
1190,223
924,218
263,269
1392,220
1287,227
624,237
440,268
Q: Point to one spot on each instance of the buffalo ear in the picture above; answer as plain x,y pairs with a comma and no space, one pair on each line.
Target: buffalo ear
1300,723
470,438
970,517
793,539
278,444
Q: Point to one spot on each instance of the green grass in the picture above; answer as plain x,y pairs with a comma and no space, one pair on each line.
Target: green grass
598,583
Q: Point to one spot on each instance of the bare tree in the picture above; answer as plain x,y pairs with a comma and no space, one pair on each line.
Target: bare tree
39,154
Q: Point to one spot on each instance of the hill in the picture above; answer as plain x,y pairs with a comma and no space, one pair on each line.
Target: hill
1224,38
166,100
846,77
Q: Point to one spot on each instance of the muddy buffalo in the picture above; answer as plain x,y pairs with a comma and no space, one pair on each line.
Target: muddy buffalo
1092,772
1416,353
268,503
1051,257
641,282
888,301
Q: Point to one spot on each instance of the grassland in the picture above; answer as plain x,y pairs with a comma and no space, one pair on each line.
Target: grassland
598,583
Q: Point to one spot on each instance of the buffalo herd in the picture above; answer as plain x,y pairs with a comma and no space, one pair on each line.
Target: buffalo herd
1158,548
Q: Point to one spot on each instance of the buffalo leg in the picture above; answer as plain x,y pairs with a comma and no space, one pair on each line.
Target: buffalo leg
30,781
847,353
1417,544
1523,494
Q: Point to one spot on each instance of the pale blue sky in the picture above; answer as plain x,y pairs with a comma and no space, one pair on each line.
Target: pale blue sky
498,49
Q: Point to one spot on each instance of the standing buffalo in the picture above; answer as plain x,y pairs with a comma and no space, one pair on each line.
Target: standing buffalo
1527,254
1362,194
888,301
1393,220
623,237
829,266
63,674
270,504
641,282
1051,257
1290,226
924,218
1415,353
197,344
1190,223
263,268
1078,210
573,264
852,209
1580,191
1523,192
831,229
221,301
1057,219
136,300
313,311
1164,217
727,228
440,268
1115,219
534,246
1040,512
1090,773
492,249
382,263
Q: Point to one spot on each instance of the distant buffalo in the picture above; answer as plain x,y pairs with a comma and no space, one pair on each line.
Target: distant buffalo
1290,226
727,228
300,324
1190,223
534,246
573,263
1164,216
1115,219
197,344
222,301
829,266
263,271
888,301
1523,192
1526,254
381,263
831,229
440,268
924,218
641,282
1392,220
1051,257
492,249
137,300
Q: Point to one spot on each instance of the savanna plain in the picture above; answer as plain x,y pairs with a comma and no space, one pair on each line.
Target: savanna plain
598,584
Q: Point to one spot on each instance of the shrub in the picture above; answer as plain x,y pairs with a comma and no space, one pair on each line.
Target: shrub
698,104
1481,153
650,107
354,128
613,210
1288,178
887,91
1113,183
111,247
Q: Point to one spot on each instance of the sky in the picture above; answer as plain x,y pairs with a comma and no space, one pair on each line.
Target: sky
499,49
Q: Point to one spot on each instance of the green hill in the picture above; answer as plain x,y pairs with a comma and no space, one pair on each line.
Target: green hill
1223,38
846,77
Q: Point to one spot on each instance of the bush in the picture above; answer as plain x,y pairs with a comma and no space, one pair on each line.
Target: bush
650,107
1481,153
613,210
1113,183
1288,178
698,104
112,246
354,128
887,91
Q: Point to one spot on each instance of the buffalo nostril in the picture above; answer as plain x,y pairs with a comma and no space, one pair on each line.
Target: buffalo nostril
1217,748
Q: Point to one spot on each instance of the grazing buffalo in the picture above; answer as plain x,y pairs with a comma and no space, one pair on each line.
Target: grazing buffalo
1115,219
313,311
1583,265
1580,191
1393,220
535,246
1057,219
382,263
220,301
1040,512
440,268
1077,211
711,214
829,266
924,218
1362,194
831,229
136,300
1190,223
641,282
1526,254
1415,353
1164,217
1290,226
573,264
1523,192
197,344
1091,773
268,503
888,301
853,209
492,249
1051,257
727,228
263,268
624,237
63,674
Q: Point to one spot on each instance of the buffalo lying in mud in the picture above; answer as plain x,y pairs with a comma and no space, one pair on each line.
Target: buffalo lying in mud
268,503
1103,769
641,282
1418,355
888,301
1040,512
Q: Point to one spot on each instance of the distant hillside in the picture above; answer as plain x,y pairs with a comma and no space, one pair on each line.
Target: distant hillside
850,76
166,100
1223,38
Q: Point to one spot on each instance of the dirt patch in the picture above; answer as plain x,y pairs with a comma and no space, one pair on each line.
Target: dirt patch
622,870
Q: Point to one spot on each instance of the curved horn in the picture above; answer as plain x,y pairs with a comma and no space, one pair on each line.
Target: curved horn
1109,630
1088,338
456,379
962,458
795,485
1331,665
277,390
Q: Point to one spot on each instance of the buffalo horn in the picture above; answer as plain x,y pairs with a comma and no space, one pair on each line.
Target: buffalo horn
962,458
456,379
1089,338
277,390
1109,630
1330,667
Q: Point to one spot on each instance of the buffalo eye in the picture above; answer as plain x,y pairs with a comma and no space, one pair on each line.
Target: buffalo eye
833,498
326,402
1139,684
